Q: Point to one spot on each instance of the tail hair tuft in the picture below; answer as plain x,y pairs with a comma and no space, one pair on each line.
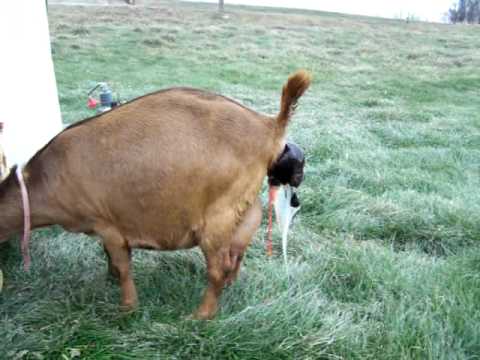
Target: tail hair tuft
295,87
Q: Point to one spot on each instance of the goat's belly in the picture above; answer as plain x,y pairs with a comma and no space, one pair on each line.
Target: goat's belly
172,241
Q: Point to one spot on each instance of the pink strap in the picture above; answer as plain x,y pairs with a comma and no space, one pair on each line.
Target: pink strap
271,198
26,220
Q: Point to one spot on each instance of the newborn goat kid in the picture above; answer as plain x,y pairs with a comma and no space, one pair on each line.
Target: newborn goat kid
171,170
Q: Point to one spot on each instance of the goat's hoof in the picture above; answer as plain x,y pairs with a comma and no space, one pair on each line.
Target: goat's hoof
128,308
201,315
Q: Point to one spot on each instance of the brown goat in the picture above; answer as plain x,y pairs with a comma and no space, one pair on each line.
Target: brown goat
171,170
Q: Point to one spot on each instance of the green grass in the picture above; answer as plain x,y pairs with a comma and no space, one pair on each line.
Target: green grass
385,252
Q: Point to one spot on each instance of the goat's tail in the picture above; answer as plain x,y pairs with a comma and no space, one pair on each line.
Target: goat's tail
296,85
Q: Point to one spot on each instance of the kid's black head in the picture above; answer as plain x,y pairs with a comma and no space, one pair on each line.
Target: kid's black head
288,169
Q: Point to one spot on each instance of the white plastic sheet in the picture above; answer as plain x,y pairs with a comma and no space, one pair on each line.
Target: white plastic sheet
284,213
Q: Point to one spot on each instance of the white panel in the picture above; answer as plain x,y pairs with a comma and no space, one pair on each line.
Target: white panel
29,105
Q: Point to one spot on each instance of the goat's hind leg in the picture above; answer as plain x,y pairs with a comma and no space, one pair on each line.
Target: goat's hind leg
242,238
224,259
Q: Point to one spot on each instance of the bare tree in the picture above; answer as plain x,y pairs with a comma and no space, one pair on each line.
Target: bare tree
473,12
465,11
462,10
221,6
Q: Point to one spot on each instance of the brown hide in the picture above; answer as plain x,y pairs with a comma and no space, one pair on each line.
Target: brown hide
170,170
3,159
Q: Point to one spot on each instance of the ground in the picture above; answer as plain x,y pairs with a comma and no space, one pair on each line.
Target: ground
385,254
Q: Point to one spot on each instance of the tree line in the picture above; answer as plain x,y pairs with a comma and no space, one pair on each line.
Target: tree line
465,11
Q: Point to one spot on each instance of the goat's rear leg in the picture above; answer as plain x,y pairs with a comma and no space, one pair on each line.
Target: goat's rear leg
242,237
224,259
119,256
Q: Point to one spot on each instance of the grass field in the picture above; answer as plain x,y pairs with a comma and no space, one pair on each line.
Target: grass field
386,250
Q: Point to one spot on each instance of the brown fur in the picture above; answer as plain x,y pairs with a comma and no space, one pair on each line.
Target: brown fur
3,159
170,170
296,85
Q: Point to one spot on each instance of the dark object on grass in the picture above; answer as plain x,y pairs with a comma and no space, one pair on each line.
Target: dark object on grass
288,169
